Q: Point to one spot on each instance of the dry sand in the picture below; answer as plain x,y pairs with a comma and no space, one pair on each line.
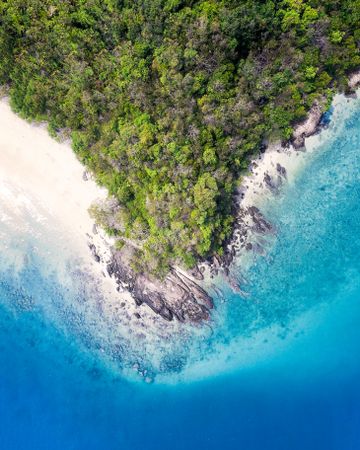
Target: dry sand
47,170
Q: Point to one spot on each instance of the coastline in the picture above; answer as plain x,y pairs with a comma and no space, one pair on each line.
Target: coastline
276,165
51,182
45,194
43,183
183,295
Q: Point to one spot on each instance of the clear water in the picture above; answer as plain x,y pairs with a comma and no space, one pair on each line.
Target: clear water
279,371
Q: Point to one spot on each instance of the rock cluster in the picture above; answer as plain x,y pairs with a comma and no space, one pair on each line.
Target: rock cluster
250,225
310,125
177,296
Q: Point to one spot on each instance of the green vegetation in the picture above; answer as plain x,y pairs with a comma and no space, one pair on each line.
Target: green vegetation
166,100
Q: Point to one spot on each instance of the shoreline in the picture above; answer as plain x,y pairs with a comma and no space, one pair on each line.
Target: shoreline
183,295
41,180
268,172
149,333
45,194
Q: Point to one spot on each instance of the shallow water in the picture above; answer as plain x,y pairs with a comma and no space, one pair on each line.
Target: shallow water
279,369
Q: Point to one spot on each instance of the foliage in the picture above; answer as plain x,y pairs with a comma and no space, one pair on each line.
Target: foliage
167,99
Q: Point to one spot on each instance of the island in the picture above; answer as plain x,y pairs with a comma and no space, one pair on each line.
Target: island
166,103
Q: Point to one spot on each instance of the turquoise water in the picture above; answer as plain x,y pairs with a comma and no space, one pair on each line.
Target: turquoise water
279,369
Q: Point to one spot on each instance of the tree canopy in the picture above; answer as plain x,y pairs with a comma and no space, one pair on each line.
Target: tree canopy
166,100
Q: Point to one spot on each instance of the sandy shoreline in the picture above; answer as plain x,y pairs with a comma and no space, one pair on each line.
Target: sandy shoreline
49,172
50,175
45,175
44,201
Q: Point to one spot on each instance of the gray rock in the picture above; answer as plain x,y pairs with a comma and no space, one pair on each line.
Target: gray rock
178,296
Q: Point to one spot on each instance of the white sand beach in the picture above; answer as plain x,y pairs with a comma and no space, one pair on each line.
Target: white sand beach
47,170
44,177
44,202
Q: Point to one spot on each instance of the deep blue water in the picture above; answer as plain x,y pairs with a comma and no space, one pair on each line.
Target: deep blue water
281,372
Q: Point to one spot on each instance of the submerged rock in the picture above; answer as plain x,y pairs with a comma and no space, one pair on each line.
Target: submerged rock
94,253
281,170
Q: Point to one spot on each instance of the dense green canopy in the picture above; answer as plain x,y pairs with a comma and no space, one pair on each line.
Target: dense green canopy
166,100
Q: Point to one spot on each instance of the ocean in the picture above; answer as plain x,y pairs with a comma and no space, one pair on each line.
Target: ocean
277,369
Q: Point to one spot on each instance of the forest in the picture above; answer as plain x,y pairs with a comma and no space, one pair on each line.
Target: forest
166,101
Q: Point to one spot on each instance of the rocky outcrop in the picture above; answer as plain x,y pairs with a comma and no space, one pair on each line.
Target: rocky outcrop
310,126
177,296
250,229
354,80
